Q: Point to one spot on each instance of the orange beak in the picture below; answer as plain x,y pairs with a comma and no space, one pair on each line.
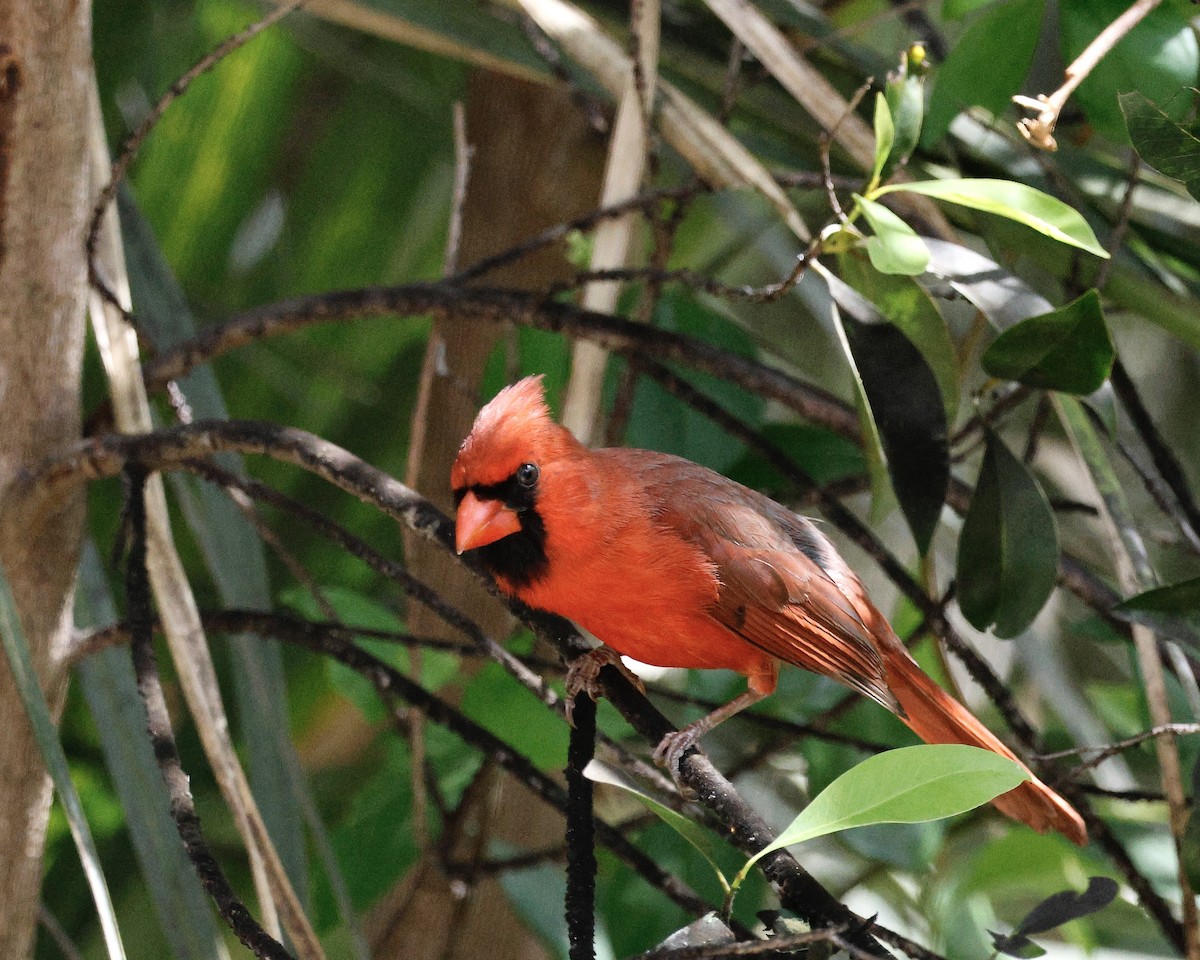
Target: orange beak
480,522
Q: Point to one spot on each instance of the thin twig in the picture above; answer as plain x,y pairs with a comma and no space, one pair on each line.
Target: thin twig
166,753
1103,753
825,143
463,152
62,940
1039,129
1165,460
1116,236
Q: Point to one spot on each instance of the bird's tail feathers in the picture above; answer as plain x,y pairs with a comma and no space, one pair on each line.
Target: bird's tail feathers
936,717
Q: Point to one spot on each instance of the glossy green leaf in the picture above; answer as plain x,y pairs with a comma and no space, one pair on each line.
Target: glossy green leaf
1016,201
908,785
1003,38
1068,349
900,404
1171,147
906,304
24,674
895,247
1173,610
1159,57
1008,547
705,842
885,135
1002,297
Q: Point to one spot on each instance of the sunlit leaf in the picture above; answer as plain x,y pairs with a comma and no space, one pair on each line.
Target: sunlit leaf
1008,547
1016,201
1001,296
908,785
1171,147
895,247
1002,37
1069,349
885,135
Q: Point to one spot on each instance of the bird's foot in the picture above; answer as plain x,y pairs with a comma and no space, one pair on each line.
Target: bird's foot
583,674
670,750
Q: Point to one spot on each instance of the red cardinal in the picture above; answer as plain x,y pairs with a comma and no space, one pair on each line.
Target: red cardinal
672,564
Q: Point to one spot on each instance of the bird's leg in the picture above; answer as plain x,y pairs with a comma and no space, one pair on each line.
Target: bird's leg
584,671
673,746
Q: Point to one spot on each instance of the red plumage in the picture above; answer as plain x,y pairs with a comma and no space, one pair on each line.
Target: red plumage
672,564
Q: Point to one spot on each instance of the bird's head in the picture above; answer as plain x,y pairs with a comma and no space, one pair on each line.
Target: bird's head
498,473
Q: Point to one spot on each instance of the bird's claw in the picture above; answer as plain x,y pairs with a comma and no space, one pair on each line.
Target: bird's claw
671,748
583,674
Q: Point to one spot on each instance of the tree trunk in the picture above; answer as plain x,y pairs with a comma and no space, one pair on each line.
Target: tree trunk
536,163
45,65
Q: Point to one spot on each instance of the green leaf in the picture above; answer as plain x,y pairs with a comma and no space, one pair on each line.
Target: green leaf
1170,147
1004,39
824,456
1008,548
901,407
895,248
660,422
110,688
1173,610
905,92
957,9
1016,201
705,842
908,785
1157,58
907,305
1189,848
1068,349
20,660
885,135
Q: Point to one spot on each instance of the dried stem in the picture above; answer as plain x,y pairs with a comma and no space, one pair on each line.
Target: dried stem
1039,129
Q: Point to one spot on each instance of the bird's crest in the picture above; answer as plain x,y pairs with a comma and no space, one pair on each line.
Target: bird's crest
513,428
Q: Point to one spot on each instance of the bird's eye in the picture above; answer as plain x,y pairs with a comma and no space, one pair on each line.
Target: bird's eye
527,474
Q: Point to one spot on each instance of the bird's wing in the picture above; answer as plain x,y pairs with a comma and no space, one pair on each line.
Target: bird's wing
782,586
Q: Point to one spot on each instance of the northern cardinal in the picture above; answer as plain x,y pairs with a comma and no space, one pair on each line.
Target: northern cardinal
672,564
